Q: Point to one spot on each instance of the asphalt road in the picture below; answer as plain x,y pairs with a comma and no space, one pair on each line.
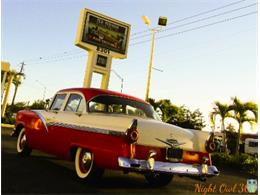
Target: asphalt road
44,174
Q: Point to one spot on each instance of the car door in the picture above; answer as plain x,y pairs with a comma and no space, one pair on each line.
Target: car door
50,117
38,137
61,132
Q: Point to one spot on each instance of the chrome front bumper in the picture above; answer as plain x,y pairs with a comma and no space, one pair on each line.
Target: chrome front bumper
168,167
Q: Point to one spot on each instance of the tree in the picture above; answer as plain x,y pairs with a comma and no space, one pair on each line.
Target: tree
241,115
188,119
17,81
231,137
180,116
221,110
168,110
38,105
11,110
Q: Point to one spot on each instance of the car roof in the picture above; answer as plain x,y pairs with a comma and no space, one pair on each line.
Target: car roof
90,93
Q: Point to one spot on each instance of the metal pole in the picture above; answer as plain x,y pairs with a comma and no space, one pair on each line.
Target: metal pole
44,89
122,80
150,67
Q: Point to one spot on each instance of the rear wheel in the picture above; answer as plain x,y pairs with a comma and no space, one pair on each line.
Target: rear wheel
85,166
158,179
21,145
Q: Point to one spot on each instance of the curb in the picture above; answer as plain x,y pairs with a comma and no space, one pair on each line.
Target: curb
7,125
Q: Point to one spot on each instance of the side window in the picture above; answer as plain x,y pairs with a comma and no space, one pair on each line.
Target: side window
58,101
116,108
130,110
73,103
97,107
253,144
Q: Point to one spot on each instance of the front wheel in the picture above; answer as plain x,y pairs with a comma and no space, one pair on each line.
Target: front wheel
85,166
158,179
21,145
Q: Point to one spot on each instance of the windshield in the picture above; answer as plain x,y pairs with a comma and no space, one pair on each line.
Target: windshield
119,105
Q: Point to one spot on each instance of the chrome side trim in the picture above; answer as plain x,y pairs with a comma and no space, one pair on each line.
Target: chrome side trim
167,167
42,119
86,128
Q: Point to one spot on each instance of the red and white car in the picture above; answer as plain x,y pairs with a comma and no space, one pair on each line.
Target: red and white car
101,129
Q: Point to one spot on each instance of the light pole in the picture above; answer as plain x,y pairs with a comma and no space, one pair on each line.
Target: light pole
161,22
122,80
44,89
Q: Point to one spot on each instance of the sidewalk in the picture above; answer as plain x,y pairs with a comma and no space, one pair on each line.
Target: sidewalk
7,126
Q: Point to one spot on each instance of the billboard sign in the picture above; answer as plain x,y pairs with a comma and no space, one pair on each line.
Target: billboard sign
102,33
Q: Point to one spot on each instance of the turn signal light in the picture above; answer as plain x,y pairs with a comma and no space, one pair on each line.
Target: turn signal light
36,124
132,134
191,156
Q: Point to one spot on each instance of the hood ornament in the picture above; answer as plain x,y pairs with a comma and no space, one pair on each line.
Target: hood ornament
173,143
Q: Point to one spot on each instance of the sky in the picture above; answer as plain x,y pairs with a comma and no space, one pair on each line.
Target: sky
208,50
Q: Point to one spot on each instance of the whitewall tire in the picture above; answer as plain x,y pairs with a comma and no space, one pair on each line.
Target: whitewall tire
85,166
21,145
83,163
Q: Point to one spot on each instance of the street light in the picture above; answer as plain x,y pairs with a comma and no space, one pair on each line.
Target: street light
44,88
122,80
162,21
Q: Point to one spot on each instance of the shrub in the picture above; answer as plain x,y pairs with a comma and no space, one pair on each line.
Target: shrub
10,112
251,165
244,162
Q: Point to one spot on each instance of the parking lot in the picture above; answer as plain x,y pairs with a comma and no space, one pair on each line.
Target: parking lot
45,174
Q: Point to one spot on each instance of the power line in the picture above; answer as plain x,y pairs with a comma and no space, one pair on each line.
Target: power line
199,20
67,54
196,15
60,59
164,36
71,52
198,27
181,48
60,55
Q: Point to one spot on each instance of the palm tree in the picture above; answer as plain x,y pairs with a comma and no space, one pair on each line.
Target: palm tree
212,119
17,81
241,115
221,110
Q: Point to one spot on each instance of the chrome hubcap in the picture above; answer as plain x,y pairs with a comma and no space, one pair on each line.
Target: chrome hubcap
86,157
86,162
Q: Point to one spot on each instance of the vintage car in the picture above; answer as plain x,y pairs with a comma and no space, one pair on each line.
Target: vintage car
101,129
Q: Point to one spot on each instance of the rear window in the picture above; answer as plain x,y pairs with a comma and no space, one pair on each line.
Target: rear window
119,105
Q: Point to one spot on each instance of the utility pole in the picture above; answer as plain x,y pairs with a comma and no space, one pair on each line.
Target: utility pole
150,68
17,81
21,70
162,21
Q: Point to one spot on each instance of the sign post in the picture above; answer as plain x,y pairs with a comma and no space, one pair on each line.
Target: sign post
104,38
